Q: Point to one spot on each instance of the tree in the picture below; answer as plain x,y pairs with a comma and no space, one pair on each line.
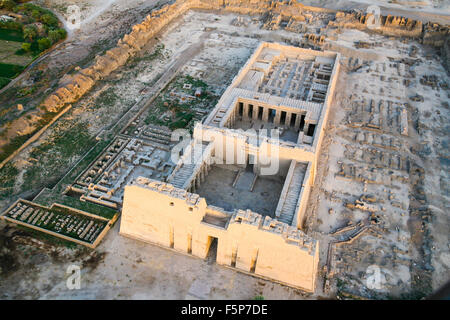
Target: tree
44,44
35,14
7,4
29,33
49,20
26,46
54,36
62,33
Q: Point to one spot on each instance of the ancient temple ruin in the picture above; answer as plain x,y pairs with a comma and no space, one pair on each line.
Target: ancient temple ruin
245,178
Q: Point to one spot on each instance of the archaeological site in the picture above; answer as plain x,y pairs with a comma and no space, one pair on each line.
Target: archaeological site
227,149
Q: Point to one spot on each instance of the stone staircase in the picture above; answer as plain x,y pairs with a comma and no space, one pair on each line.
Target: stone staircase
186,171
293,193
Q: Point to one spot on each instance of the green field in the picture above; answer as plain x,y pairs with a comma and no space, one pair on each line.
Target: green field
11,63
9,53
11,35
21,41
10,70
4,82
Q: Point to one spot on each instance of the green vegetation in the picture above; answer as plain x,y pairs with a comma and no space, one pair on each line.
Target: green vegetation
35,27
26,46
26,91
45,237
196,83
62,222
10,70
13,145
4,82
158,53
11,34
258,298
7,177
108,97
35,24
54,155
171,111
18,141
44,44
91,155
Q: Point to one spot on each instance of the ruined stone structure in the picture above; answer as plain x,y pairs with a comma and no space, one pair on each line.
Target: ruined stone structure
290,11
103,65
289,14
287,92
389,25
174,218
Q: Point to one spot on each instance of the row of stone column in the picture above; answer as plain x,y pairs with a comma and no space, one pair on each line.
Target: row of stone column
245,107
265,115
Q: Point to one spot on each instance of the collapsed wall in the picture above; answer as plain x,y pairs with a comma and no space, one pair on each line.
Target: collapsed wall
389,25
174,218
435,34
445,54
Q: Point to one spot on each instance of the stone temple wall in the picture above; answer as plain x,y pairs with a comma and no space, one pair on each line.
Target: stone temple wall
161,214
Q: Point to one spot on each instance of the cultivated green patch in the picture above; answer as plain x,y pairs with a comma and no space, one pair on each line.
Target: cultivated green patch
34,28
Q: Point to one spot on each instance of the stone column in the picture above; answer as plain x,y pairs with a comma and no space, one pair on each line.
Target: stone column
305,128
266,114
255,112
245,111
297,121
276,121
202,174
197,182
287,122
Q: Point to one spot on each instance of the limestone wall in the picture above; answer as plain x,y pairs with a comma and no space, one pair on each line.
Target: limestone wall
323,119
303,198
176,219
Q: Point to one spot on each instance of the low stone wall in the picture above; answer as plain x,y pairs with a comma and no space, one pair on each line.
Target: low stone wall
35,136
303,198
